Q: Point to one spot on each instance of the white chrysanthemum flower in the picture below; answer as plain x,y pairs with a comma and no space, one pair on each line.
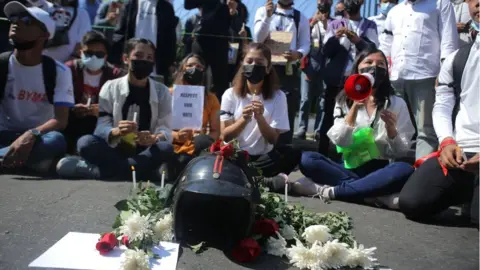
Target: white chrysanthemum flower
276,246
302,257
135,260
136,227
335,254
358,256
288,232
314,233
163,229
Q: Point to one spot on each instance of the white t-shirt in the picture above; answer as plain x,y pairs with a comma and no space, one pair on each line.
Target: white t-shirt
146,24
276,115
91,84
81,25
26,105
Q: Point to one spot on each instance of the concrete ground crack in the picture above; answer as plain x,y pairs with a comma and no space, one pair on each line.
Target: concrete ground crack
66,196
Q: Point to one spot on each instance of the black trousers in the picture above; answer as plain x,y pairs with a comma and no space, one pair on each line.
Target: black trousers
282,159
76,128
429,191
331,93
290,85
215,53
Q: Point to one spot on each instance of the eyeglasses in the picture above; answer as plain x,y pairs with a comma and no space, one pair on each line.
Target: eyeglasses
97,54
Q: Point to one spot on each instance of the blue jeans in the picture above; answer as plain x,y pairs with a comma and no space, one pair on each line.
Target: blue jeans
50,146
310,89
373,179
114,163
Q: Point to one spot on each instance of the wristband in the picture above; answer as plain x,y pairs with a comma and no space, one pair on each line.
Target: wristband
447,142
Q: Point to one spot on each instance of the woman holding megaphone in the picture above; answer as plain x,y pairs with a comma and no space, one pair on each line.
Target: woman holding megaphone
372,127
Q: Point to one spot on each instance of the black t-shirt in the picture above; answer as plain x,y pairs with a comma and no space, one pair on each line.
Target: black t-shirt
139,96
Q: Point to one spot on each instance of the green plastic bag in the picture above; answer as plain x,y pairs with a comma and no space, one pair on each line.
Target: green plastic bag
361,151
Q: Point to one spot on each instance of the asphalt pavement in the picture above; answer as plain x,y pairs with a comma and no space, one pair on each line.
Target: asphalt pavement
35,213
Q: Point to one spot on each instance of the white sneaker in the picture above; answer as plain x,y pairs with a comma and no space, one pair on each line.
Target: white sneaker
76,167
389,201
305,187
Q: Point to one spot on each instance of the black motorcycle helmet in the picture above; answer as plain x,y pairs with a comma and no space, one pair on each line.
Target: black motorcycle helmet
214,201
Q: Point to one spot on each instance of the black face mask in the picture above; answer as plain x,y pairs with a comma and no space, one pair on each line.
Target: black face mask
141,68
339,13
285,3
254,73
353,9
193,76
379,73
324,8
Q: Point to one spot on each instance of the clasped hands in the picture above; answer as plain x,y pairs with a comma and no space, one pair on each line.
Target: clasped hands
143,138
351,35
254,109
451,156
82,110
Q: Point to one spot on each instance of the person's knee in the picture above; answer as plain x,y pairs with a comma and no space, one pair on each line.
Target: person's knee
307,161
403,169
410,204
85,143
163,149
55,142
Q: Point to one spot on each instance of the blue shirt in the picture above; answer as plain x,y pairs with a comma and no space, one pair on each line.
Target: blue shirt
90,8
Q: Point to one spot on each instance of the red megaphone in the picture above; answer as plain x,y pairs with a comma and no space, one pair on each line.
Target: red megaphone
359,86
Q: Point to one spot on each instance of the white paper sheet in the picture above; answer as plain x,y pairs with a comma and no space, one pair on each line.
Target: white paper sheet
187,106
77,251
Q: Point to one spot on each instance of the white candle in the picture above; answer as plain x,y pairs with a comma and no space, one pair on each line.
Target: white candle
134,179
286,186
386,105
135,117
89,102
162,184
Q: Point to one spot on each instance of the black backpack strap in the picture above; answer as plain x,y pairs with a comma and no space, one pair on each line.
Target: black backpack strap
458,67
49,68
4,58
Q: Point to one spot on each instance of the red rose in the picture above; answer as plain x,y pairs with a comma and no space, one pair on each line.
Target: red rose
227,150
215,147
125,241
265,227
246,251
107,243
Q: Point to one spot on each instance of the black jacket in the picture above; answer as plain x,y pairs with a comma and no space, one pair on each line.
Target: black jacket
166,35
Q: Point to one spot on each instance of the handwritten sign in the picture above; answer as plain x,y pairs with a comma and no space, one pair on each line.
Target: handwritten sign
187,106
279,43
233,53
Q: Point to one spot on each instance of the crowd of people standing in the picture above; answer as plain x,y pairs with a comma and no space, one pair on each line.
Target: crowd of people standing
109,70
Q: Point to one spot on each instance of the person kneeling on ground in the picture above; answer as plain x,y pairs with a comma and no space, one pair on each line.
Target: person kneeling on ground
89,75
187,142
35,93
452,177
370,133
254,112
133,127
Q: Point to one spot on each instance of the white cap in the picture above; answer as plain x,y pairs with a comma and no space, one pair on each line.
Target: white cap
14,8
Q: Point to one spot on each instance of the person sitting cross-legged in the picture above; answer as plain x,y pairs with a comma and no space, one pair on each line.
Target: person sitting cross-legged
89,74
451,176
254,112
187,142
369,134
133,127
35,93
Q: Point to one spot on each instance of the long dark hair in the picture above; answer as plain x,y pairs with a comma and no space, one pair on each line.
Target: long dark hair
270,82
181,71
382,92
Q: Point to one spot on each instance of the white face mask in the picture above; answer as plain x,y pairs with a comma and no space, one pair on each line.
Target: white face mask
475,26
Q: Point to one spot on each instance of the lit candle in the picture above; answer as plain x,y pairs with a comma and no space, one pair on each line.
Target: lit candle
89,101
386,105
286,185
162,184
134,179
135,117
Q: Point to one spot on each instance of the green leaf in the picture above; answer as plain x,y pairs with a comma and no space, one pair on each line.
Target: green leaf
125,214
198,248
122,205
118,222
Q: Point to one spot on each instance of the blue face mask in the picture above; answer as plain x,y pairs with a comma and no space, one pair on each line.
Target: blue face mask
92,62
475,26
385,8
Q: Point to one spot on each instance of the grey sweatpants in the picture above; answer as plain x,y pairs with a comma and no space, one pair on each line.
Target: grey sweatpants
420,97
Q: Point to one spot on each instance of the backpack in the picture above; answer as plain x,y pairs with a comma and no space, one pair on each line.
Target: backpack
49,68
296,18
458,67
313,63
